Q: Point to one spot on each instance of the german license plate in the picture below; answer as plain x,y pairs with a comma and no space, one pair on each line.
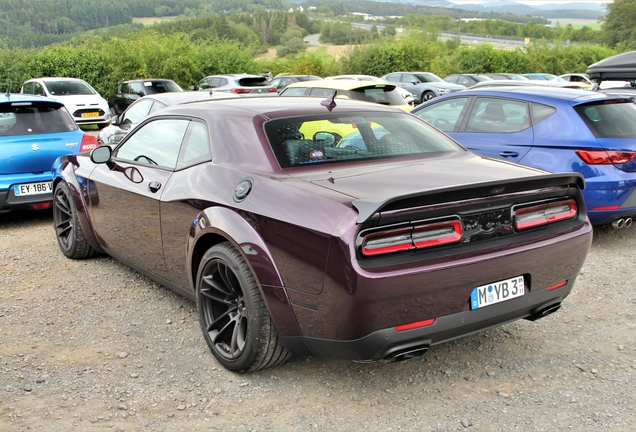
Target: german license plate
33,188
497,292
90,114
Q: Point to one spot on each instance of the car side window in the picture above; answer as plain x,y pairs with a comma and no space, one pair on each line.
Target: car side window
443,115
124,88
296,91
156,106
136,88
137,112
27,88
541,112
494,115
38,89
393,77
196,146
156,143
410,78
325,92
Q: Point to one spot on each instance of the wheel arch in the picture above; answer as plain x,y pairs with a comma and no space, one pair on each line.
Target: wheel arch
219,224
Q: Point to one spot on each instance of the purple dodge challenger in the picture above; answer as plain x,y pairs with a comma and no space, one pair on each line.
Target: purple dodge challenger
291,240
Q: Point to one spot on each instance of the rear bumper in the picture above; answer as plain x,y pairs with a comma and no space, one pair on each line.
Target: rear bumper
388,343
9,201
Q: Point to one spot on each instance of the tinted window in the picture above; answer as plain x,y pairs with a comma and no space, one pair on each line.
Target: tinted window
381,95
493,115
154,87
541,112
332,138
65,88
443,115
610,120
156,143
196,146
289,91
35,119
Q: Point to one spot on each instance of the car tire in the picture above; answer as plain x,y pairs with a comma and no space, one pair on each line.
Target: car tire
427,95
235,322
68,230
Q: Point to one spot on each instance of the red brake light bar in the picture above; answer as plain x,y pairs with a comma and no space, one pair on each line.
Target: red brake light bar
272,90
412,237
239,91
544,214
603,157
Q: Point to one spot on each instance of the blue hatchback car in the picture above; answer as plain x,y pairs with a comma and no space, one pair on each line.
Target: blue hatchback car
557,130
34,131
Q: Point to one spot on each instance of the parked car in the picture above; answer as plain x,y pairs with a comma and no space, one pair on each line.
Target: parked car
578,78
369,91
240,84
291,244
467,80
542,77
34,131
80,99
507,76
422,85
406,95
129,91
138,110
531,83
282,81
553,129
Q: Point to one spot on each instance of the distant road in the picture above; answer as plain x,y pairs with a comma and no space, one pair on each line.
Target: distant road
312,40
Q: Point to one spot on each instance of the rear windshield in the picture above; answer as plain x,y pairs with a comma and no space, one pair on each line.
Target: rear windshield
333,138
67,88
253,82
34,119
610,120
381,95
154,87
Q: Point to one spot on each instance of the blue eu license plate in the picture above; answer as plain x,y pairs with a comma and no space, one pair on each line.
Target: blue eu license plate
497,292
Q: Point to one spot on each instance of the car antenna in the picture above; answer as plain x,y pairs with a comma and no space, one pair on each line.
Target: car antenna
330,102
9,89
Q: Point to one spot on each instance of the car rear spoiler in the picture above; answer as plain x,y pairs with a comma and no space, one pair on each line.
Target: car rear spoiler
368,207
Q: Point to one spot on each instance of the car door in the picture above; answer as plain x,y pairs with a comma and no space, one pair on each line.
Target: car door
497,127
445,115
126,213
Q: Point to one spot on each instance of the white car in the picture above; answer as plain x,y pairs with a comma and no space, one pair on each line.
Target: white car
406,95
80,99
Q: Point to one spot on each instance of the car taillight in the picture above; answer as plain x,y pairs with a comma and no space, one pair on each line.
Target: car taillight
603,157
412,237
272,90
239,91
544,214
89,142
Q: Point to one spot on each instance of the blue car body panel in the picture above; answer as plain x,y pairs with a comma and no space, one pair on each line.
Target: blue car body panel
27,158
550,144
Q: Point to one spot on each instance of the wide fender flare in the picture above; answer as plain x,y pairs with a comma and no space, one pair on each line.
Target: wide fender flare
64,170
228,224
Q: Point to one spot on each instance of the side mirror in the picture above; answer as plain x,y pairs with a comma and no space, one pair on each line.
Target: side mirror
192,87
101,154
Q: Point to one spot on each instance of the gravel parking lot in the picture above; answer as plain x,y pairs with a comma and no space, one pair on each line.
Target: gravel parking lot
93,345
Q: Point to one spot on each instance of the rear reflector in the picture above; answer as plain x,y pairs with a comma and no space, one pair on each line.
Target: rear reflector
603,157
41,206
544,214
557,285
606,208
412,237
415,325
89,142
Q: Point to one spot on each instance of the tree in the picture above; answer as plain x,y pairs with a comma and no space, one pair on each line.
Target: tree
619,23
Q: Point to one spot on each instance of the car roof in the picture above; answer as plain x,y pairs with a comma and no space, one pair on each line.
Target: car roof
172,98
539,94
47,79
341,84
22,98
147,79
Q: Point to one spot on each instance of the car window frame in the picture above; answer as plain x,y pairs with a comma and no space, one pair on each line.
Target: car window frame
469,114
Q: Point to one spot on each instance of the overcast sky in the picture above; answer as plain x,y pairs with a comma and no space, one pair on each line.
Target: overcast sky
537,2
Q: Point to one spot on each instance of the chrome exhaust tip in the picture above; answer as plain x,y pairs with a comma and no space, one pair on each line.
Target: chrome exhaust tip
406,354
618,224
628,222
544,312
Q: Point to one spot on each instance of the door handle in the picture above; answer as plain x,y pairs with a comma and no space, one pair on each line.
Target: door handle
509,154
154,186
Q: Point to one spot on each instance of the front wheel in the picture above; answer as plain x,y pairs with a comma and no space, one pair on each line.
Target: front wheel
68,231
234,319
428,95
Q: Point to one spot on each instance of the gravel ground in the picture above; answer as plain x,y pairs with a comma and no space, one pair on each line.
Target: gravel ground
93,345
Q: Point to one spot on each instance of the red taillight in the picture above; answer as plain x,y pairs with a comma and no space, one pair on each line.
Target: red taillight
272,90
41,206
557,285
89,142
603,157
412,237
239,91
415,325
544,214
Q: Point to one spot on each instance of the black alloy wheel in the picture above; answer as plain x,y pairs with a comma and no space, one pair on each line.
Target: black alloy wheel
68,230
234,319
428,95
